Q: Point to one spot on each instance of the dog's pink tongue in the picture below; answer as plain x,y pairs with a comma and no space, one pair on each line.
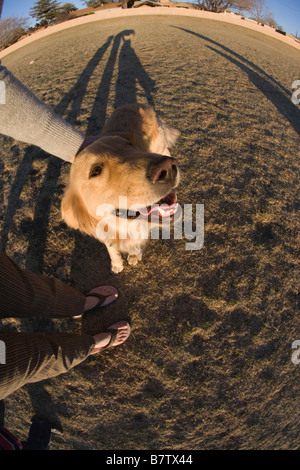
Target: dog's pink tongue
165,208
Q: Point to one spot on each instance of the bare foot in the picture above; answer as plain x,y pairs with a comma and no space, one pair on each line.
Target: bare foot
103,340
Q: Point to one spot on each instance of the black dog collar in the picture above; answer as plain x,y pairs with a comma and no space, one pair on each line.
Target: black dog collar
126,214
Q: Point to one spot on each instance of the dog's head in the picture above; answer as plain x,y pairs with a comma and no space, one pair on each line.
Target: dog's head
115,172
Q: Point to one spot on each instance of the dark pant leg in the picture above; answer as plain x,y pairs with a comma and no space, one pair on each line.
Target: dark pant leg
32,357
24,294
26,357
2,412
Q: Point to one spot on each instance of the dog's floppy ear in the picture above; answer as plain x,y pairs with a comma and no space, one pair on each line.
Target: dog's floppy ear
75,213
170,135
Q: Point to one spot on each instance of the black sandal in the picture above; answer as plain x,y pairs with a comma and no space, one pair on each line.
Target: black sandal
99,304
101,297
113,335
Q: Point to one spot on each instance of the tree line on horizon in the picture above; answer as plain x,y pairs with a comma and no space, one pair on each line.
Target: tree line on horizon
258,9
48,12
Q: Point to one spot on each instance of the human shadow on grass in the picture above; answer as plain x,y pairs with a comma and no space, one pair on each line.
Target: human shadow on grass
37,230
133,83
70,107
273,90
131,74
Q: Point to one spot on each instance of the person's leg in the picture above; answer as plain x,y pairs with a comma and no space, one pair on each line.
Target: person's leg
23,294
32,357
2,412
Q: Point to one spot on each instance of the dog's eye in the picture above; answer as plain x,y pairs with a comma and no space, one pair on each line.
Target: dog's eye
95,171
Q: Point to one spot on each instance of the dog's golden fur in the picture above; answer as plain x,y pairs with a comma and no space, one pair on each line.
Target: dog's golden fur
117,164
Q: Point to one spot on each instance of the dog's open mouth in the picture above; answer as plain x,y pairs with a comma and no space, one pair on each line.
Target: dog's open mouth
166,207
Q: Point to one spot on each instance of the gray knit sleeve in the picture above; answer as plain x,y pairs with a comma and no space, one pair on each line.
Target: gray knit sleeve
27,119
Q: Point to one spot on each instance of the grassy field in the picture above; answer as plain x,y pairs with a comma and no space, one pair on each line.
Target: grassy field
208,364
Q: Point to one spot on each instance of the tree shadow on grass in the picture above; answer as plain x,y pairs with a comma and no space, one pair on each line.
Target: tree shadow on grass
274,91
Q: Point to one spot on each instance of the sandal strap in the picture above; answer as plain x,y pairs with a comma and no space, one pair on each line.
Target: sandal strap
98,296
112,338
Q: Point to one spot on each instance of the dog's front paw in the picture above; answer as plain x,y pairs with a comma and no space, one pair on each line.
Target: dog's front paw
134,259
117,268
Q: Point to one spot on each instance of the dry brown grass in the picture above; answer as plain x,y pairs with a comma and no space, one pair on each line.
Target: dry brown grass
208,365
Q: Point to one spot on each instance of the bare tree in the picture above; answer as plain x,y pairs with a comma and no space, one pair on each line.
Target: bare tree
219,6
11,29
244,5
269,20
257,8
260,11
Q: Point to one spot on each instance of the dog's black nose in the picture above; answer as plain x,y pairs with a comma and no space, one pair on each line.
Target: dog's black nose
163,171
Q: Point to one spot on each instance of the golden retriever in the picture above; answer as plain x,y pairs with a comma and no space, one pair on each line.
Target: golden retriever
128,167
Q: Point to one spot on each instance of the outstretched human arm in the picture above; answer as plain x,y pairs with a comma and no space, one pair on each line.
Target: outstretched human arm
27,119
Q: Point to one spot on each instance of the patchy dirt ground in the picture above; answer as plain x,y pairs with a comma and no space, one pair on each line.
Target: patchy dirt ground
208,365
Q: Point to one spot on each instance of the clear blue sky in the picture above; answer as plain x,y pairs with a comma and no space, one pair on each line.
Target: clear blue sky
22,7
285,12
